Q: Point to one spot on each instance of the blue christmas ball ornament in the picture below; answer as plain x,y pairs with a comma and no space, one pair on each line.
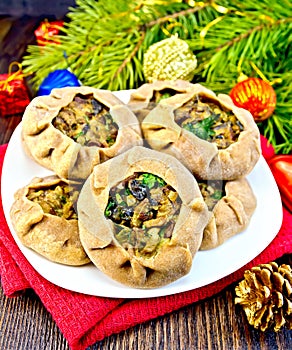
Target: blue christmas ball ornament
57,79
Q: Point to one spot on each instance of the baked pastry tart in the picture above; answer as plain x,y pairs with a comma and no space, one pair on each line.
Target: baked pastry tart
210,135
231,205
75,128
147,96
141,218
44,218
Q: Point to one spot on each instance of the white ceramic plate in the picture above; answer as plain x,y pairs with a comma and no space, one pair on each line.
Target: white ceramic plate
208,266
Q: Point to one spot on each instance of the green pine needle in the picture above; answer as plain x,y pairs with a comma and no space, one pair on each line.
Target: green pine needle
103,44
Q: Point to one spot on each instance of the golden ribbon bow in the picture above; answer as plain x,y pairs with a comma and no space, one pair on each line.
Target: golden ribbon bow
18,75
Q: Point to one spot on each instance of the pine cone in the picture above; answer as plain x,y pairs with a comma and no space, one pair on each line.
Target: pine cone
265,295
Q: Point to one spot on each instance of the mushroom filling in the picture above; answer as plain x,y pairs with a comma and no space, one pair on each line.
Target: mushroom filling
212,191
87,121
144,209
159,95
56,200
209,121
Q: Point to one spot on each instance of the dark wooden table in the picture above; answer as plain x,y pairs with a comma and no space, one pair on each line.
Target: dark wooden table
215,323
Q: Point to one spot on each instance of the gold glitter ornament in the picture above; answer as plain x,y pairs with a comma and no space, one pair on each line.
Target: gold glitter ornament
169,59
265,295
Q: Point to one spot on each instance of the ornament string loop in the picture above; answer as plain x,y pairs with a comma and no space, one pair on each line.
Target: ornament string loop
219,8
260,73
172,23
204,31
242,76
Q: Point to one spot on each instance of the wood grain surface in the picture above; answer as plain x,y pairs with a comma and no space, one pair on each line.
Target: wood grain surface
213,324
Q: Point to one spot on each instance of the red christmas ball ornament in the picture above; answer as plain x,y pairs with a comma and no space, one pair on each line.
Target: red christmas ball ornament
255,95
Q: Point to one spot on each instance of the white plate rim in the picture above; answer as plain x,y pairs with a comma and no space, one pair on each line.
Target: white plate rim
208,266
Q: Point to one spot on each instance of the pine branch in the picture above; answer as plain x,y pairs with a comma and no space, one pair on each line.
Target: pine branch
130,57
251,31
96,32
267,44
175,15
151,24
104,43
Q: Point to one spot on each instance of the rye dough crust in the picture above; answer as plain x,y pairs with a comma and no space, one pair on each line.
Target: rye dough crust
58,152
203,158
231,215
172,259
141,98
51,236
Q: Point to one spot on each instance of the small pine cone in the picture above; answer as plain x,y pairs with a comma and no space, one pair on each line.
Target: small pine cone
169,59
265,295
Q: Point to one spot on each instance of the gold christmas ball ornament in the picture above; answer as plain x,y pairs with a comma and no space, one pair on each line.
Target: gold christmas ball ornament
169,59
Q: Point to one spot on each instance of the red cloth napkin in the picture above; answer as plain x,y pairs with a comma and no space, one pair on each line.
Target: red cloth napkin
85,319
